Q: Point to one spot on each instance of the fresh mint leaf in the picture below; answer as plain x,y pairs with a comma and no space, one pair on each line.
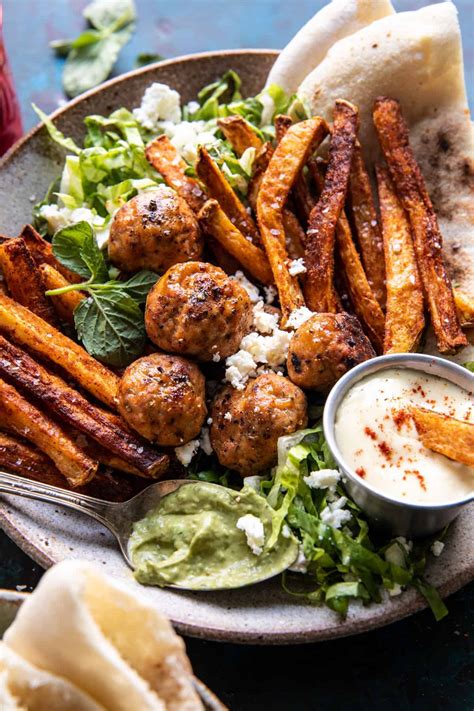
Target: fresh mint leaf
110,326
91,64
104,13
145,58
75,247
138,286
57,136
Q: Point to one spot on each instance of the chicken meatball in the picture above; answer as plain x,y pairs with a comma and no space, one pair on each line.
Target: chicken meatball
197,310
154,230
324,348
162,397
246,424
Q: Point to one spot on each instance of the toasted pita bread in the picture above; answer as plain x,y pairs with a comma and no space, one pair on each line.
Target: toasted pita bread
24,687
105,640
415,57
308,47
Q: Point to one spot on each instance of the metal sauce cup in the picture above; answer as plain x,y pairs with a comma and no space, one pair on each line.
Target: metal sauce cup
398,516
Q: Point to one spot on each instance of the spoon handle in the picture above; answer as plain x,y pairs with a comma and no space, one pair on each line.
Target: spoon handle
98,509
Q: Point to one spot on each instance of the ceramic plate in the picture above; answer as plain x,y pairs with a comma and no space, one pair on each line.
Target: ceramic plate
261,614
10,603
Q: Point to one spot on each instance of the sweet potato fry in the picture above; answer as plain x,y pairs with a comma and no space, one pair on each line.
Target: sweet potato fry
23,280
215,222
27,421
42,253
366,306
219,189
31,331
368,233
445,435
290,155
410,186
239,133
465,308
75,410
64,304
405,319
164,157
320,238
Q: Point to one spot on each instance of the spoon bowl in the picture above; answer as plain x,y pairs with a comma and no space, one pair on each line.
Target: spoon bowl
118,517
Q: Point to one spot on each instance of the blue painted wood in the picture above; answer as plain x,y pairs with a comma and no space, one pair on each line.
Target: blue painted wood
413,665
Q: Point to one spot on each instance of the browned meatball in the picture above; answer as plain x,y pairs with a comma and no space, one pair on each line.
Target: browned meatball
195,309
246,423
162,398
154,230
324,348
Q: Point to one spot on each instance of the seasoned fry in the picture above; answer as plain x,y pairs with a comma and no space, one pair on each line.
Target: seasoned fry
73,408
304,201
295,235
219,189
366,306
64,304
465,308
215,222
26,420
410,186
445,435
290,155
23,279
319,286
42,253
239,133
368,233
260,165
282,123
164,157
405,319
31,331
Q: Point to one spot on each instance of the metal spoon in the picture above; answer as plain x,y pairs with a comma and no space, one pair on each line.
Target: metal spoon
117,517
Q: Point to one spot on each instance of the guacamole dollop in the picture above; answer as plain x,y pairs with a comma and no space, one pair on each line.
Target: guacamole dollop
191,539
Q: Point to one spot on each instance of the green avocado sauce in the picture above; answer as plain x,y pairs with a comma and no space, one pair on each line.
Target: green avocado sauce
192,540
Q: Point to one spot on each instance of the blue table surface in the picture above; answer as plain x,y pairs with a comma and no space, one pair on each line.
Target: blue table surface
415,664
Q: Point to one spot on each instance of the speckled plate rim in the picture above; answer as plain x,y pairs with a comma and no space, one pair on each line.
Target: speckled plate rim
212,703
408,603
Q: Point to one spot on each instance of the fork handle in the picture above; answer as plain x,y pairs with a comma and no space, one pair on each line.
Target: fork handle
98,509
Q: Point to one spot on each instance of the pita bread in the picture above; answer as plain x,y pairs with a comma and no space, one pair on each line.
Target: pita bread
415,57
24,687
105,640
308,47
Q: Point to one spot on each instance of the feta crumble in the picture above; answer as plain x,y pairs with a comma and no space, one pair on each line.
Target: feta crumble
437,548
239,367
301,563
186,452
250,288
297,266
254,532
263,321
205,442
270,294
323,479
187,136
159,102
254,482
334,514
298,317
227,416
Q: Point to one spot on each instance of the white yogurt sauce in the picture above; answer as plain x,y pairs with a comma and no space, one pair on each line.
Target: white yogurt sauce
378,439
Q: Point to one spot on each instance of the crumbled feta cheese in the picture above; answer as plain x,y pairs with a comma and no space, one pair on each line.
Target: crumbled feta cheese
264,322
270,294
187,136
227,416
301,563
285,531
268,349
396,590
205,442
437,548
298,317
216,357
193,106
254,532
407,545
59,217
186,452
250,288
334,514
297,266
159,102
253,482
239,367
323,479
